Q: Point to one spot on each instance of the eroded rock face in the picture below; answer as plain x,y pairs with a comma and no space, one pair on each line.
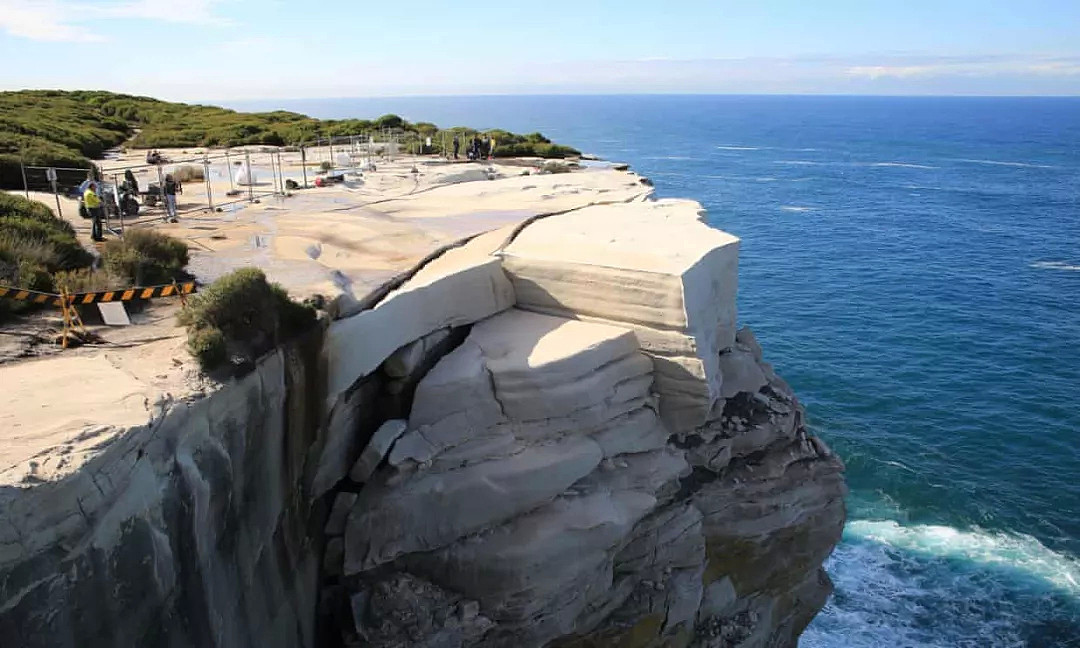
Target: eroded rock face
575,517
189,531
563,444
609,462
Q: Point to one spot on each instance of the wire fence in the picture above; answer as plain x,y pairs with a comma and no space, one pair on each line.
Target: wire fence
135,194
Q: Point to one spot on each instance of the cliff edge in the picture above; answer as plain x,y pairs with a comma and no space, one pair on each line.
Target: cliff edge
552,435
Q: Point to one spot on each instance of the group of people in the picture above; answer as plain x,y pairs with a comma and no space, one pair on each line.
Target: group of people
155,157
92,201
477,149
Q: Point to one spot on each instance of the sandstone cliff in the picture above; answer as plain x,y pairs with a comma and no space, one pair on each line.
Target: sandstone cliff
551,435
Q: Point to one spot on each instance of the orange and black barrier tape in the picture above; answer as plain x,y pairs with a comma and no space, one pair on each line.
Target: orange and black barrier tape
78,299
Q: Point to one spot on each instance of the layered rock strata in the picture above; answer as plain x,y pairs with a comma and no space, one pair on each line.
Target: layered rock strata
606,463
552,436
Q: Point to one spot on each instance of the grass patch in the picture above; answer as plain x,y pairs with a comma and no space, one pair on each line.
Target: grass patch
146,257
239,318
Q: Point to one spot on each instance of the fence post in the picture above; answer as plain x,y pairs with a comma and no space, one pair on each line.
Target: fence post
331,141
228,171
250,176
51,174
277,173
206,179
303,163
121,209
25,187
161,192
281,173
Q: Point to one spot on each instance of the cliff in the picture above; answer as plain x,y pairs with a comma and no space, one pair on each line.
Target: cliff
552,434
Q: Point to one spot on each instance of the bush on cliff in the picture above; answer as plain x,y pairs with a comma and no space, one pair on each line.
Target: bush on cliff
240,317
34,244
145,257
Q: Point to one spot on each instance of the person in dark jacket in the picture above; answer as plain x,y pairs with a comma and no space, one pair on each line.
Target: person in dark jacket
457,146
132,183
171,185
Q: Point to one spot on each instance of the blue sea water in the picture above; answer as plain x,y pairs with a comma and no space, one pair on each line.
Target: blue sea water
912,267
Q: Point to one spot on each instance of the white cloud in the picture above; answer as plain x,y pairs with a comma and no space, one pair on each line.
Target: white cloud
68,21
43,21
969,67
187,11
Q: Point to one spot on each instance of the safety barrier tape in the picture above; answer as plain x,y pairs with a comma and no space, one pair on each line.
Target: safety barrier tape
128,294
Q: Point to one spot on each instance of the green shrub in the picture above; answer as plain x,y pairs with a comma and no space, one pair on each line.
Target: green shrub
555,167
188,172
240,317
86,280
34,244
145,257
325,166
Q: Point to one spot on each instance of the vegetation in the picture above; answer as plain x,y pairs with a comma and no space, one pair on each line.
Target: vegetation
39,251
146,257
34,245
555,167
87,280
60,128
240,317
188,172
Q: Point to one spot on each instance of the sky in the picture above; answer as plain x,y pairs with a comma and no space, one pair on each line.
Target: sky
203,50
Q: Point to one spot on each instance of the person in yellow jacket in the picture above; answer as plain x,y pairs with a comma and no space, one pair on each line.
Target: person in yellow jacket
92,202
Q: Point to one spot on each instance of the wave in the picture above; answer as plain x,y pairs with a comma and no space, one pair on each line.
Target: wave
1023,165
796,208
903,165
935,586
1055,265
677,158
739,148
745,178
800,162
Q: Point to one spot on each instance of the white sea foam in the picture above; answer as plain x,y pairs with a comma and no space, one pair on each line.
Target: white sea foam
903,165
739,148
795,208
1023,165
1055,265
1015,551
679,158
935,586
799,162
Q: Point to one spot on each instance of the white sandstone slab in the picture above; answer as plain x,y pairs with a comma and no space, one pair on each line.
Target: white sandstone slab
652,266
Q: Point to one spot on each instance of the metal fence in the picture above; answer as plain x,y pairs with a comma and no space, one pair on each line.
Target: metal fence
220,178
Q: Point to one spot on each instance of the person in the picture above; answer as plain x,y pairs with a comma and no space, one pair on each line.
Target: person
476,147
170,197
491,147
457,146
92,202
132,183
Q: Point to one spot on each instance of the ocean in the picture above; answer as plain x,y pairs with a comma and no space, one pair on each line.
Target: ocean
912,267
